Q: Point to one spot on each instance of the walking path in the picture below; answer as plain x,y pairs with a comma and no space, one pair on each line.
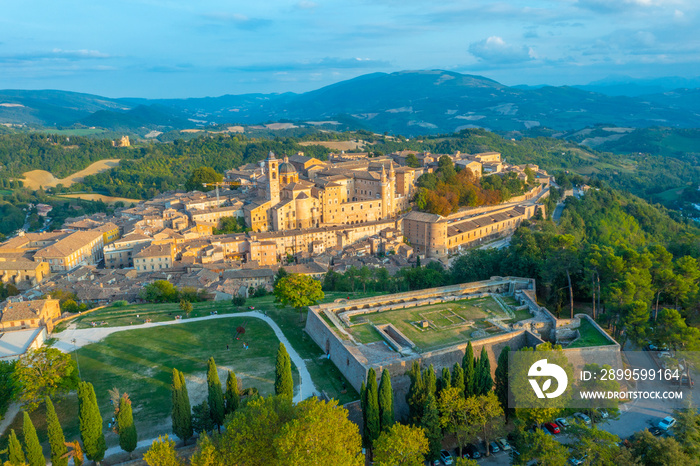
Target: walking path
87,336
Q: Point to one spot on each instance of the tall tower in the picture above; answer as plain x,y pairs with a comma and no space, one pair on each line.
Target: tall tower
273,182
384,191
392,189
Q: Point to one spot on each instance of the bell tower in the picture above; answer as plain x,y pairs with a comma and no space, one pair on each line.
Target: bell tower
273,181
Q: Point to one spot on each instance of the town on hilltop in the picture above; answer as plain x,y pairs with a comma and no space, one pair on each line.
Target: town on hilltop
306,215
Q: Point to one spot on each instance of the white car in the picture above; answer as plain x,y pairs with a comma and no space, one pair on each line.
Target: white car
505,446
562,422
585,419
667,422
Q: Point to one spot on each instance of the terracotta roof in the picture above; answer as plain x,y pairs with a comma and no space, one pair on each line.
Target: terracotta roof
18,265
23,310
70,244
155,250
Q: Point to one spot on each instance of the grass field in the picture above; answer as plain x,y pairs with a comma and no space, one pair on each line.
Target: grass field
75,132
589,336
323,372
41,178
140,362
449,329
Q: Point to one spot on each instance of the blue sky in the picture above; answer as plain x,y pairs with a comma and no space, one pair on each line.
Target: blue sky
173,48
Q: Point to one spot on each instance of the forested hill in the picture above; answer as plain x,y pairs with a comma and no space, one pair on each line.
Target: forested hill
151,167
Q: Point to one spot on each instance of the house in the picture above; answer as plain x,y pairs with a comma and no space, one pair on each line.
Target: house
30,314
79,248
154,257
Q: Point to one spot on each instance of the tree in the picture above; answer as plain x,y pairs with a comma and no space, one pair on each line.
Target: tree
160,291
216,394
298,291
206,453
687,429
453,416
201,418
401,446
485,412
412,161
431,426
457,377
319,433
35,456
482,378
200,176
9,387
430,380
185,306
636,322
284,384
543,448
233,394
658,451
16,455
502,380
182,412
90,423
75,452
386,402
468,366
445,380
416,396
162,453
281,273
372,420
598,446
56,438
125,425
44,372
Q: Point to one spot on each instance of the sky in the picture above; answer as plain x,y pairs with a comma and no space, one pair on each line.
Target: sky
173,48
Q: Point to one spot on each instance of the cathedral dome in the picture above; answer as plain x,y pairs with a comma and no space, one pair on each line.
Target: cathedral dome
286,167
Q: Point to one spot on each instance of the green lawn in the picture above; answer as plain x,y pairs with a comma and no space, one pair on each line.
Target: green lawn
140,362
323,372
589,336
446,332
366,333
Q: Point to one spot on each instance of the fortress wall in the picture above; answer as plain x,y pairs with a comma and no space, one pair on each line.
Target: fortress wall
350,363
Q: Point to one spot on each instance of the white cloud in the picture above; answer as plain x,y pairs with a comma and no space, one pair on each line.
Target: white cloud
496,50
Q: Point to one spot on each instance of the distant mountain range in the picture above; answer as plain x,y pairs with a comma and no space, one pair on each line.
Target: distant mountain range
407,102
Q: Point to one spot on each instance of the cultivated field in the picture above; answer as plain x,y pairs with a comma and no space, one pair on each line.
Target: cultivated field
102,197
449,322
336,145
41,178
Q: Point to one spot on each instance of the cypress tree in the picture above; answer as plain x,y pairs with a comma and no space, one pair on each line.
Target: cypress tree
284,385
445,381
431,424
16,455
430,381
216,394
468,366
386,402
125,425
502,380
233,394
415,398
35,455
56,438
372,421
363,405
182,412
485,379
458,377
90,423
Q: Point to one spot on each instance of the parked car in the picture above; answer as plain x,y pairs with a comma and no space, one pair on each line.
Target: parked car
655,431
603,413
666,423
653,347
473,451
562,422
583,418
503,443
464,453
494,447
552,427
446,458
578,461
547,432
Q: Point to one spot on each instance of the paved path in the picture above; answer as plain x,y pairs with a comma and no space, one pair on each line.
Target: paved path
12,411
87,336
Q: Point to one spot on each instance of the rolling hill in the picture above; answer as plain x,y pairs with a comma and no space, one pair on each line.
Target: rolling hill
406,102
